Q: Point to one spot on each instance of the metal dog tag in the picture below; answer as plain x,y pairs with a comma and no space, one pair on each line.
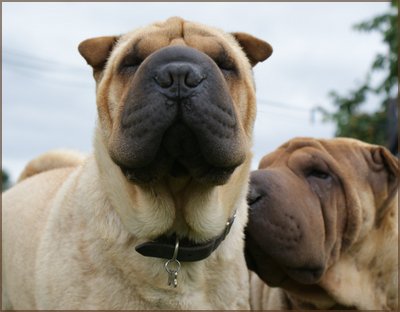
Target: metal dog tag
173,278
172,266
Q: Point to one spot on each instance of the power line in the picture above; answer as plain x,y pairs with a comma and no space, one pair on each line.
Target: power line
26,61
27,58
282,105
52,79
50,71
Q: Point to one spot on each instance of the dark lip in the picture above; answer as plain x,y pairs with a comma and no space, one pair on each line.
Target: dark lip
212,175
306,275
178,170
127,172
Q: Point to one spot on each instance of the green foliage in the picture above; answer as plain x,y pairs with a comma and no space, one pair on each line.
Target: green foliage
5,180
350,120
387,25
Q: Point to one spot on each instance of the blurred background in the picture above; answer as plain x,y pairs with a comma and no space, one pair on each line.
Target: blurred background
333,71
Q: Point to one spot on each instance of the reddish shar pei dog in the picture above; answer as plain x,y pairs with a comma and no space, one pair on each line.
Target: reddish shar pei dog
323,227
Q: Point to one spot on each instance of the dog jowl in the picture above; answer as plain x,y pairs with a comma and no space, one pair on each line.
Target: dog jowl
179,107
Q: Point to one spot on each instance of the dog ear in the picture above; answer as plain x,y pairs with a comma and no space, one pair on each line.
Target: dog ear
385,161
97,50
257,50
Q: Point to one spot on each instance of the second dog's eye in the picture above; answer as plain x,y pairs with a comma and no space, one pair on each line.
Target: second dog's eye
318,174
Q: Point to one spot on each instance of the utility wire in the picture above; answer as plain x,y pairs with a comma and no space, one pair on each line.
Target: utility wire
26,61
27,58
282,105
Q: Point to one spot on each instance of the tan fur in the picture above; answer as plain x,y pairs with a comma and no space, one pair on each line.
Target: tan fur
365,274
51,160
69,235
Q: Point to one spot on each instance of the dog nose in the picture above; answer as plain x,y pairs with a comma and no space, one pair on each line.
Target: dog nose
258,187
179,79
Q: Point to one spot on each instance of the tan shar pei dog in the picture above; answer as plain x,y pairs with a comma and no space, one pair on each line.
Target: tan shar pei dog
155,218
323,227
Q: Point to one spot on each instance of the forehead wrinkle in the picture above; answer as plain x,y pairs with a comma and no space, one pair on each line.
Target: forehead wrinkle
208,45
171,28
295,145
152,37
162,34
159,36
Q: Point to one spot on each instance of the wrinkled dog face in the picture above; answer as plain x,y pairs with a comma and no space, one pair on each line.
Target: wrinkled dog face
174,99
310,202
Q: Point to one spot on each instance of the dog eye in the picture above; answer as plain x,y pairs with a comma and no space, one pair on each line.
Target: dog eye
132,61
224,62
319,174
225,65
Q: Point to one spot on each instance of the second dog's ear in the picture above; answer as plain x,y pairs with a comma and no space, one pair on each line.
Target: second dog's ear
385,178
257,50
97,50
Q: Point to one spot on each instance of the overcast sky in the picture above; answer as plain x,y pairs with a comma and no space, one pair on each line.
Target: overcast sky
48,93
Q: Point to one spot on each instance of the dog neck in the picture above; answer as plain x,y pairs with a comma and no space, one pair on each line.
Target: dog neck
164,246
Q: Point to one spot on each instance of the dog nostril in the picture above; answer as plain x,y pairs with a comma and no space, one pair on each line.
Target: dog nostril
165,80
254,200
253,196
193,79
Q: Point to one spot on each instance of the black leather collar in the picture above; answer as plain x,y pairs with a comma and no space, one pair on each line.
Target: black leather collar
163,247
